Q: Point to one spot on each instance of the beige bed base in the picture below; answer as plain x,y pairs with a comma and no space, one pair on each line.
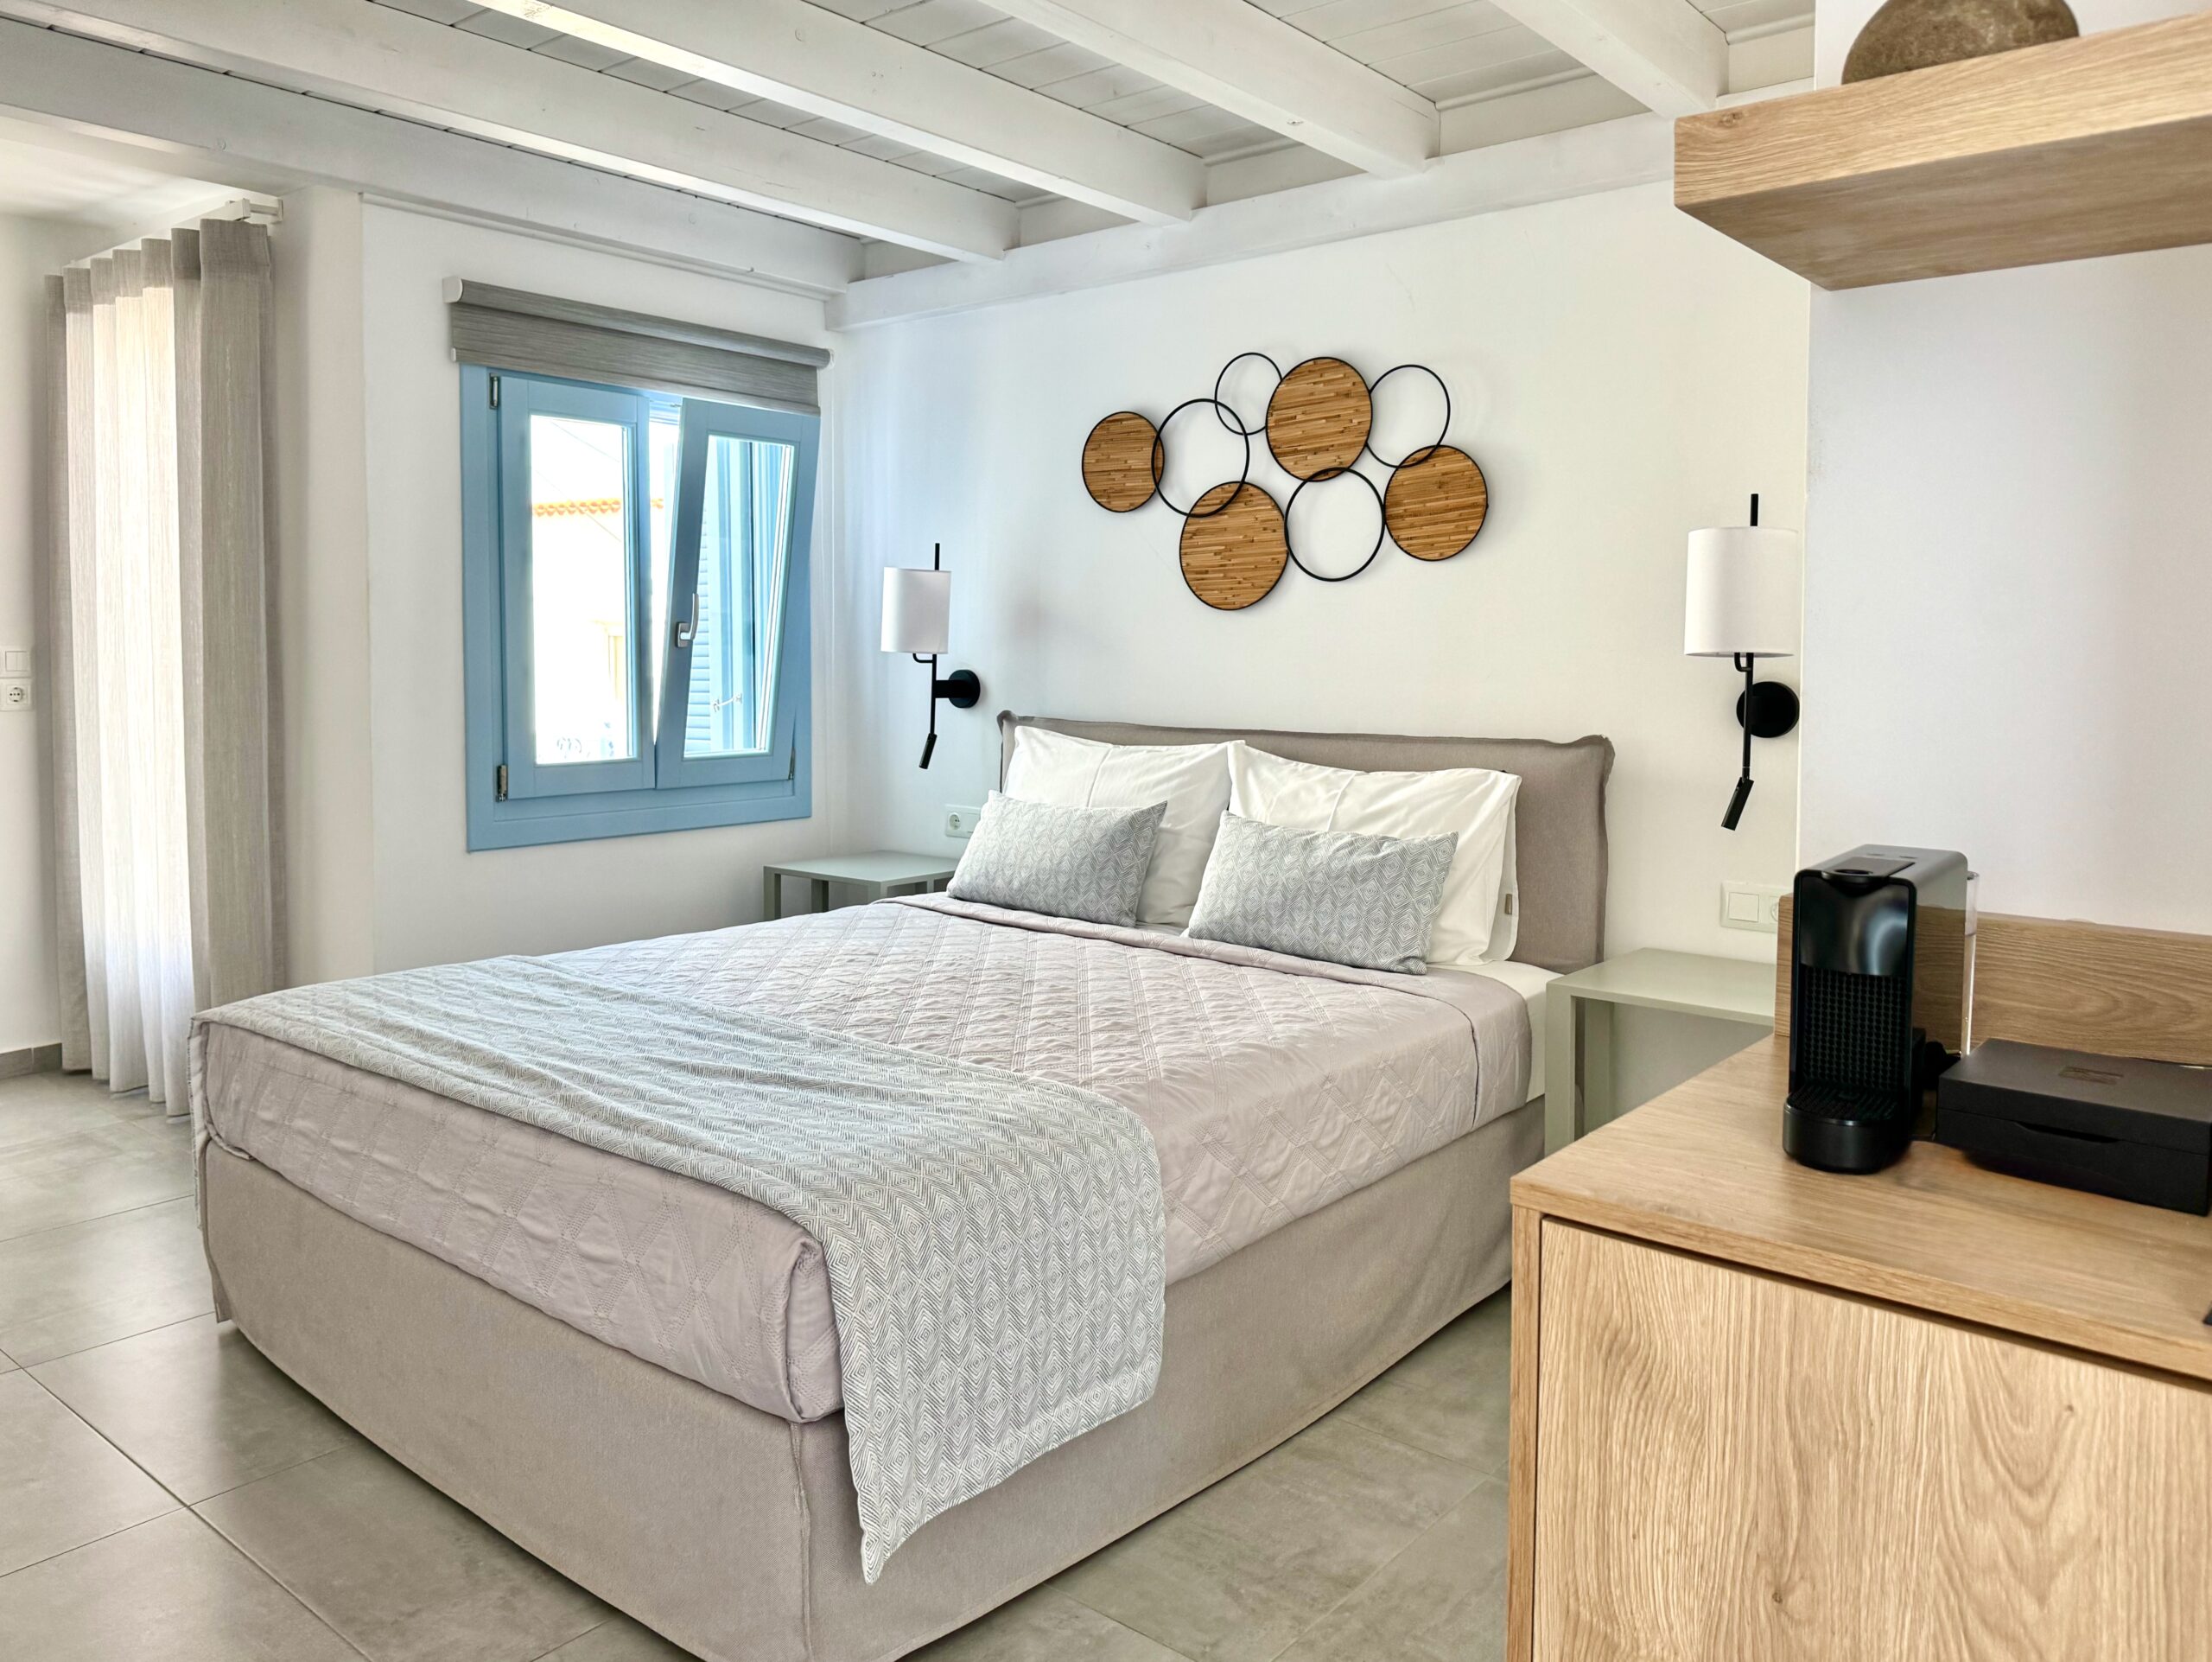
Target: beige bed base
736,1533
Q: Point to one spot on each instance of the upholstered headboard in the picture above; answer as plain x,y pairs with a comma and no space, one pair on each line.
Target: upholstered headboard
1560,817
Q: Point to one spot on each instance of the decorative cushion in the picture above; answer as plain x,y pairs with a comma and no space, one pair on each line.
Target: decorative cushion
1370,901
1066,862
1192,779
1477,922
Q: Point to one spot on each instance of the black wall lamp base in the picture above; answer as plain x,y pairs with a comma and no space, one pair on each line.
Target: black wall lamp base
1773,709
963,690
1765,710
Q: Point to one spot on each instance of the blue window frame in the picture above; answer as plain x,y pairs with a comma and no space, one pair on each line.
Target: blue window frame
635,608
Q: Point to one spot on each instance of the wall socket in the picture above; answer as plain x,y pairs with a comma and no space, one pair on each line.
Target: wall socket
960,823
15,692
1752,906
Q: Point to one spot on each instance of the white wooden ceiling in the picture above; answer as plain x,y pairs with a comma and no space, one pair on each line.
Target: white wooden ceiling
1449,52
899,132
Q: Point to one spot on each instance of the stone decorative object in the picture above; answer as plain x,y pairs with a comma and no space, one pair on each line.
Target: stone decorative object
1919,33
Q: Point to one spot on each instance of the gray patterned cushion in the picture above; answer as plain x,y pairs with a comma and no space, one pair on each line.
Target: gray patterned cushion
1339,896
1066,863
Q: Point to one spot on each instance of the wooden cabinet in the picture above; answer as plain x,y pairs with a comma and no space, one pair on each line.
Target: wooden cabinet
1764,1412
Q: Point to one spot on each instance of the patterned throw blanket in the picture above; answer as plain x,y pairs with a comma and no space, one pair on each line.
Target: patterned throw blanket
994,1242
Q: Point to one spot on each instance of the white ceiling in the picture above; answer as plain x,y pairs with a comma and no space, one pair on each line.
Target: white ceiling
39,182
1451,52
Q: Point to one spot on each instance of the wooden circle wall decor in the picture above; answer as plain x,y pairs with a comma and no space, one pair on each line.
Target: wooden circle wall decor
1436,502
1120,463
1318,418
1318,426
1233,548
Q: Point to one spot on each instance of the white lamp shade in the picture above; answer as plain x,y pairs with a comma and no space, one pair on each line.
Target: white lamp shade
1742,593
916,611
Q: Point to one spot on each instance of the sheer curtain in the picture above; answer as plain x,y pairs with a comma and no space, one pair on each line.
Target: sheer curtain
165,721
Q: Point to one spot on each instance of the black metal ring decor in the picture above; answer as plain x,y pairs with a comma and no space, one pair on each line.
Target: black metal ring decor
1229,420
1374,390
1440,506
1291,508
1159,460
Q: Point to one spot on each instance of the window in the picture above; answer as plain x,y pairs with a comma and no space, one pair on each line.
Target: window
635,609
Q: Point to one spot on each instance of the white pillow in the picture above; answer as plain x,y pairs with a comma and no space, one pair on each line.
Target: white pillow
1192,779
1477,924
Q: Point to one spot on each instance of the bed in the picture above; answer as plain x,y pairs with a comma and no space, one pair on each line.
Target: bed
636,1374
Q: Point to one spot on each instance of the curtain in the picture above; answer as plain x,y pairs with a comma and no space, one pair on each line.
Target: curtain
165,717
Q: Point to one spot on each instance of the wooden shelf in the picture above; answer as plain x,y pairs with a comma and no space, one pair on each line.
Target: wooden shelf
2102,145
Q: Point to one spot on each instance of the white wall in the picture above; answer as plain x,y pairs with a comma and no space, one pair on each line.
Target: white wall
1622,373
2008,593
28,1012
430,900
322,585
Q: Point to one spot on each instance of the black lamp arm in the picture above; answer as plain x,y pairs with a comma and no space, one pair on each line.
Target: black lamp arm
1748,664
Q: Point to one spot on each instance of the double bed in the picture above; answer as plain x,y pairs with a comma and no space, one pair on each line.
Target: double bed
637,1375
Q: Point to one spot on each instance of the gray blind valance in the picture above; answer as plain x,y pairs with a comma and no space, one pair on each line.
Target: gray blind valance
507,328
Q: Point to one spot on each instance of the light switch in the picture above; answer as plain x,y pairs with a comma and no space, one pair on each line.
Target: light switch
14,661
1751,905
1743,906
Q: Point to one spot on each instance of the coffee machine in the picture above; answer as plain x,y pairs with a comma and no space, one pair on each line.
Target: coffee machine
1881,997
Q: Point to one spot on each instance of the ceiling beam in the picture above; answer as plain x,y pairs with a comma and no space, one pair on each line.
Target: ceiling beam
1239,59
811,59
171,118
383,59
1666,54
1610,155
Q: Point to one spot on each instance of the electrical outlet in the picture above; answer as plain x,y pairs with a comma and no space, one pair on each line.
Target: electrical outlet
960,823
15,692
1752,906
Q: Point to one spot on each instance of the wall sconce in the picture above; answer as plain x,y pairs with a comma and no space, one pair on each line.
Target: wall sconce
917,617
1742,604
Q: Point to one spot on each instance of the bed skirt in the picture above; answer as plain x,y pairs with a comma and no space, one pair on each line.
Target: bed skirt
736,1533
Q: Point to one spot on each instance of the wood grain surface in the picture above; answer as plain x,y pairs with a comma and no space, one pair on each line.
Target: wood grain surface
2099,145
1521,1435
1233,548
1737,1466
1702,1169
1120,463
1319,417
1436,503
2077,986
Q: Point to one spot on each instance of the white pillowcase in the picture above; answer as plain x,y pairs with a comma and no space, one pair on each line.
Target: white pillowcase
1192,779
1478,922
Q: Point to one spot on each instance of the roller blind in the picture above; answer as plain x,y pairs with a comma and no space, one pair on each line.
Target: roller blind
507,328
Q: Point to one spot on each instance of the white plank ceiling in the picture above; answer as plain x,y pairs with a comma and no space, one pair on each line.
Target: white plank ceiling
1449,52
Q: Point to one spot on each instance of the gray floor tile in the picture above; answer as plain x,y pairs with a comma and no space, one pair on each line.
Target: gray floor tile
32,1111
1238,1573
1450,1395
397,1568
167,1591
1044,1625
93,1174
198,1407
68,1288
60,1486
620,1640
1441,1600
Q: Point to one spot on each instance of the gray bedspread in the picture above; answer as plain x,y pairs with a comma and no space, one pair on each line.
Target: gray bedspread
995,1242
1269,1086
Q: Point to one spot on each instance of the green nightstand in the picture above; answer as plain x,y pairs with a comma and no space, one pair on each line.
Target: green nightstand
875,874
1579,1020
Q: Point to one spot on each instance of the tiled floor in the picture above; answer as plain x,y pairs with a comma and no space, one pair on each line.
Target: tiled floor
168,1496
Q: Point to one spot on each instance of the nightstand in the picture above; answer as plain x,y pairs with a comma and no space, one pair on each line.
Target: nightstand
1579,1020
875,874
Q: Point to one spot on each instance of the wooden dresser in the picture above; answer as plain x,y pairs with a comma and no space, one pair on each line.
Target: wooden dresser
1765,1414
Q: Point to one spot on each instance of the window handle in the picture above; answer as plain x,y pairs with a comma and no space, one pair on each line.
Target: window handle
687,629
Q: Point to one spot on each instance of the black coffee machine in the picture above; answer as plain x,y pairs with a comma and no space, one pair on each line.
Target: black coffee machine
1881,991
